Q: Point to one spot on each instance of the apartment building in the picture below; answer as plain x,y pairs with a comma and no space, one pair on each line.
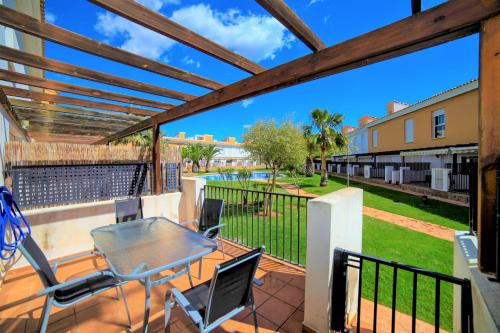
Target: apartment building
231,152
434,138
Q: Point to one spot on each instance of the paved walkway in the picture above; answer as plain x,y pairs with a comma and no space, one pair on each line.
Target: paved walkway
403,221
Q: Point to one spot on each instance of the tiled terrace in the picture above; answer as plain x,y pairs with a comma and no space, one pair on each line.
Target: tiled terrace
279,301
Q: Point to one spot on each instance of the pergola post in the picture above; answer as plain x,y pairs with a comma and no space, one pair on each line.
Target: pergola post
156,158
489,140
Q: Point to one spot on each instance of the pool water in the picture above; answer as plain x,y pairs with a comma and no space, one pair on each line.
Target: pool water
234,176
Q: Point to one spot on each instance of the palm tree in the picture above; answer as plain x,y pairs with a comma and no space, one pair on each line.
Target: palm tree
209,153
328,137
312,149
193,152
142,139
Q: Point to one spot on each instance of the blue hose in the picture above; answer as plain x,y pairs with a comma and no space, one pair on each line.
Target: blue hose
11,219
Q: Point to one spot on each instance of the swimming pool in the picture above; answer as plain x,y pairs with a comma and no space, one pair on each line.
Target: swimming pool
234,176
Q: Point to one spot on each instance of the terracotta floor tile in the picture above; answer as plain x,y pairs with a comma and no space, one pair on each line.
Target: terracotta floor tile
20,310
276,310
291,295
260,296
13,325
294,323
298,281
271,284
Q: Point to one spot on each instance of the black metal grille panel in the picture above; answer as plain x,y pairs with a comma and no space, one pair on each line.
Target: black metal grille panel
53,185
172,176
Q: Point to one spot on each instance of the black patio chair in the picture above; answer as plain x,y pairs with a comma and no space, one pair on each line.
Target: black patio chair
209,222
129,209
229,292
65,294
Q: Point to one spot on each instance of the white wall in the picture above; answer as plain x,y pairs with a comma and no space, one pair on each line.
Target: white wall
358,141
485,293
65,230
334,220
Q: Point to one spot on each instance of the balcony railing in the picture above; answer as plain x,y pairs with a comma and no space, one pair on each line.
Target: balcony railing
380,272
254,218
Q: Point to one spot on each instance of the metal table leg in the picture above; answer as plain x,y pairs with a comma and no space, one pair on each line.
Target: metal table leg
147,305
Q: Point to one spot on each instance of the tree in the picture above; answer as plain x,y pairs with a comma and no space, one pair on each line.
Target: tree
328,136
209,152
193,152
276,146
312,149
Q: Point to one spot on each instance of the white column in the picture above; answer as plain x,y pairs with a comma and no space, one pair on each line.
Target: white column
334,220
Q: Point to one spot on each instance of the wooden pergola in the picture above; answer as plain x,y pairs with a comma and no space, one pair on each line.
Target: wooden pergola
422,29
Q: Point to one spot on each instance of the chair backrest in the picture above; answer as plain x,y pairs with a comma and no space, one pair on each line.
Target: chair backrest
37,259
231,285
211,213
128,209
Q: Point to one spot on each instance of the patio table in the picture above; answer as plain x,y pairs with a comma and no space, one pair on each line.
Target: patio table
139,249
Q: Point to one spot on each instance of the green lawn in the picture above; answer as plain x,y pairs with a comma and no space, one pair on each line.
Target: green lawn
391,242
283,232
436,212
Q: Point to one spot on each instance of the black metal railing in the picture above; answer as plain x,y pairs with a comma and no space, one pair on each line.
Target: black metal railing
381,273
418,177
255,218
50,185
459,182
377,173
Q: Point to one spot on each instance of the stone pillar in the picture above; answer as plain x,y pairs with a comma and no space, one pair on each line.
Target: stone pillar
334,220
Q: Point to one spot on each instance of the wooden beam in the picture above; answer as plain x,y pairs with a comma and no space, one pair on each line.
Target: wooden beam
56,66
79,90
55,117
63,138
44,97
152,20
451,20
489,142
283,13
32,26
28,105
416,6
66,129
156,157
16,124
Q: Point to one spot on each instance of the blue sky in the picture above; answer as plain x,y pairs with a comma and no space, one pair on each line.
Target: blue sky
249,30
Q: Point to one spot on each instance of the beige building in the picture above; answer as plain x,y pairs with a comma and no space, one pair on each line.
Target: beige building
439,133
232,153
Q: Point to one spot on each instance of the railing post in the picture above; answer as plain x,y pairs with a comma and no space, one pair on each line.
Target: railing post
339,280
333,220
156,158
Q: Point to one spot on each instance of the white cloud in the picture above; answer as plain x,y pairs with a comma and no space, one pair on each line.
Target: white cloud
158,4
326,18
312,2
254,36
50,17
136,38
190,61
247,102
257,37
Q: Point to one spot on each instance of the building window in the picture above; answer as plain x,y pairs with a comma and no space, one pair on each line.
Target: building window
409,130
438,124
375,138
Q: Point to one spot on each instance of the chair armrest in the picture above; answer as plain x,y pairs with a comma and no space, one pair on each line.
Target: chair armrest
72,282
186,306
212,228
55,264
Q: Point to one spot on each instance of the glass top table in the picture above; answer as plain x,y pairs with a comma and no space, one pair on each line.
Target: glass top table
139,249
